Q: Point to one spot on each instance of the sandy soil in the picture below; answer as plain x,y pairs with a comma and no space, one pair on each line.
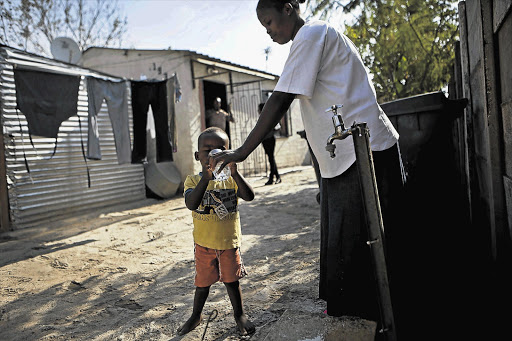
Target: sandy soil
127,274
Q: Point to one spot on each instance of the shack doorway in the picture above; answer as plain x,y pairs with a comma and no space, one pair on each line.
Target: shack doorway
212,90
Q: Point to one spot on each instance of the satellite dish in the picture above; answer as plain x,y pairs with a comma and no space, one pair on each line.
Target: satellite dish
66,50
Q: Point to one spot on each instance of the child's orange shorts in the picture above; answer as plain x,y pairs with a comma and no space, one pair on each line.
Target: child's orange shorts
217,265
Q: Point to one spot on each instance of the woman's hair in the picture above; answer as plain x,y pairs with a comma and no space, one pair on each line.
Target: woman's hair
279,4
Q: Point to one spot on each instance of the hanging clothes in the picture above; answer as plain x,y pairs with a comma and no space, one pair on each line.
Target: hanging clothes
46,99
114,93
161,95
174,91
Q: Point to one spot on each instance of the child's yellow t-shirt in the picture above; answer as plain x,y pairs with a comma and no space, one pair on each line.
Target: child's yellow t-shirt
216,220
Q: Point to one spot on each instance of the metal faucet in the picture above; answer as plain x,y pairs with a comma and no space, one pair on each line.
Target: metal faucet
340,132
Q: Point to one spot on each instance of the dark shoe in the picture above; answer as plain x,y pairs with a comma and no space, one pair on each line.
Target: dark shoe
278,180
269,182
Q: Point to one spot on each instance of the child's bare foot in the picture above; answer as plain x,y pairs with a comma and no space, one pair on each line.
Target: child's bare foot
191,323
245,327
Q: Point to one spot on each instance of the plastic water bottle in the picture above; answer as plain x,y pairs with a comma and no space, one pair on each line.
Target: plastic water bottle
225,173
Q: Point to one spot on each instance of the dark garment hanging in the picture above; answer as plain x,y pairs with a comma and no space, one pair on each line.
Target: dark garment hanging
158,94
174,96
46,100
114,93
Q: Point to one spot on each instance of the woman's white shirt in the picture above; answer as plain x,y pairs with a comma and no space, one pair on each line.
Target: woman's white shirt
322,69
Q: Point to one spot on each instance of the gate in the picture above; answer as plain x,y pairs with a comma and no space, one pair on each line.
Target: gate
243,101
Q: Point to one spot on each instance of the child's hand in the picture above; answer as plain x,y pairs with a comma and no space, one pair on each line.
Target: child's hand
207,172
232,167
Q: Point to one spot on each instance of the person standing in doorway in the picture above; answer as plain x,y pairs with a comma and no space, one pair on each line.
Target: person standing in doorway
217,117
269,145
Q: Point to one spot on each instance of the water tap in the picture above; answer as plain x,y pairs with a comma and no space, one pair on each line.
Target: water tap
339,129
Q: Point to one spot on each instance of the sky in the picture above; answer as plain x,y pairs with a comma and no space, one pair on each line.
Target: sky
222,29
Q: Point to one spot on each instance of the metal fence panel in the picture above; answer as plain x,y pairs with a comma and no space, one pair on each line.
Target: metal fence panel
244,103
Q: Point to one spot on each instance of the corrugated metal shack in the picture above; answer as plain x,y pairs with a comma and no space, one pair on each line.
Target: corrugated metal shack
57,186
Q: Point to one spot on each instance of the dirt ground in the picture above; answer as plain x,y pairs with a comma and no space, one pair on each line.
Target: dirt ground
128,273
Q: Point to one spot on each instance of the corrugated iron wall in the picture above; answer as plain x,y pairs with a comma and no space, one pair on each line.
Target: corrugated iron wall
57,187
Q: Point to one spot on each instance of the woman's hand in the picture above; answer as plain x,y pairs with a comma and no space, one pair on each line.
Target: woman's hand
226,157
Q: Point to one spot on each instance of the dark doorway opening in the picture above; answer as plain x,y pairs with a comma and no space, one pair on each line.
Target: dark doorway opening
212,90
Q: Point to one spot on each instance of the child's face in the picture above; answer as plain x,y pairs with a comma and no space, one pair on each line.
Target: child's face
208,143
279,24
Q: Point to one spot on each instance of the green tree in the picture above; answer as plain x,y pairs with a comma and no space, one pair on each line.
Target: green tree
31,25
408,45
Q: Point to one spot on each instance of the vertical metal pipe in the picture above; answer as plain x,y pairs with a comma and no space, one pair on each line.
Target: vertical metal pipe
366,170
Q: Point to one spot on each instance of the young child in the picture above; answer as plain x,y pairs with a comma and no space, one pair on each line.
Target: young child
217,233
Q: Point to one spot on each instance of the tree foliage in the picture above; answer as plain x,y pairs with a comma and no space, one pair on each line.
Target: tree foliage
408,45
31,25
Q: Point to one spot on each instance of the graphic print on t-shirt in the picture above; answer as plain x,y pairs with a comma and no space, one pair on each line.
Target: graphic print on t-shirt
216,198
